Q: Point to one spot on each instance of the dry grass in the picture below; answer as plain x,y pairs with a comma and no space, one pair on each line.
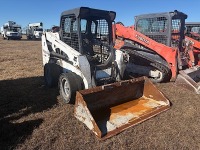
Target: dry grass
33,117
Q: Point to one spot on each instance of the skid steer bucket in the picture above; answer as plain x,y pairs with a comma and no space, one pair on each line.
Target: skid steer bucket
110,109
189,79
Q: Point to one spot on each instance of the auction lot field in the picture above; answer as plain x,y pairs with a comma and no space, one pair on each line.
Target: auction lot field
33,116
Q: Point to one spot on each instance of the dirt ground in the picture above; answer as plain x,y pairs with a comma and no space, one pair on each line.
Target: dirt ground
33,116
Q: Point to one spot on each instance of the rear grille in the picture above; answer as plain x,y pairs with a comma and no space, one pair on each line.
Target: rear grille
14,34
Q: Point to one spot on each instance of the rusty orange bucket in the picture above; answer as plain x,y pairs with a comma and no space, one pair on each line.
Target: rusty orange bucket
110,109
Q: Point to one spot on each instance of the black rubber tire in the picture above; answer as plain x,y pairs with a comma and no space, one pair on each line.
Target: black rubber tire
51,74
69,83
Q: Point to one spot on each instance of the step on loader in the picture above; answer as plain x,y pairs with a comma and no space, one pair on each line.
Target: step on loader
158,49
80,59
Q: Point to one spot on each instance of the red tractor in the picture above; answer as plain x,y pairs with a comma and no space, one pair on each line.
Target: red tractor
158,49
193,35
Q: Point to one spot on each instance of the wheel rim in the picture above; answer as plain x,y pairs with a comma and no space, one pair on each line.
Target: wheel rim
66,87
160,77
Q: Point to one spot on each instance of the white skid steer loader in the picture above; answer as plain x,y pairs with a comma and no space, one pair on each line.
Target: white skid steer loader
80,59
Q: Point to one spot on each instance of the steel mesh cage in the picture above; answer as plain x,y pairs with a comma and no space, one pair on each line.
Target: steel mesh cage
154,28
193,30
70,31
103,35
176,29
95,38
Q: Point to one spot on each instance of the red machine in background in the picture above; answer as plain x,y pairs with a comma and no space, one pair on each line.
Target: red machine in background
158,49
193,35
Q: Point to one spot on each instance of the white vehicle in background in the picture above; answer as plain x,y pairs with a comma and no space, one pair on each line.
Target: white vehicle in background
11,30
34,30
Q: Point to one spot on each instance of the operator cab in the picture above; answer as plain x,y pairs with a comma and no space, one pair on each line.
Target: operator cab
89,31
193,30
166,28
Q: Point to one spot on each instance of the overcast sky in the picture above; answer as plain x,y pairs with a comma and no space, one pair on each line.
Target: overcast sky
48,11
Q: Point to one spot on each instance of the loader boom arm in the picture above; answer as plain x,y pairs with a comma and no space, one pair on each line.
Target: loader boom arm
55,49
125,34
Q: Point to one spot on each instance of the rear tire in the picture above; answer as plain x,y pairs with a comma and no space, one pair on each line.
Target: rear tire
51,74
69,83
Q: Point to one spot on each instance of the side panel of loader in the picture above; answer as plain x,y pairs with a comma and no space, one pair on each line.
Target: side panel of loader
108,110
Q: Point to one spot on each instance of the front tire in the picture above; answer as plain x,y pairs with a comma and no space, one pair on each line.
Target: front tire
69,83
